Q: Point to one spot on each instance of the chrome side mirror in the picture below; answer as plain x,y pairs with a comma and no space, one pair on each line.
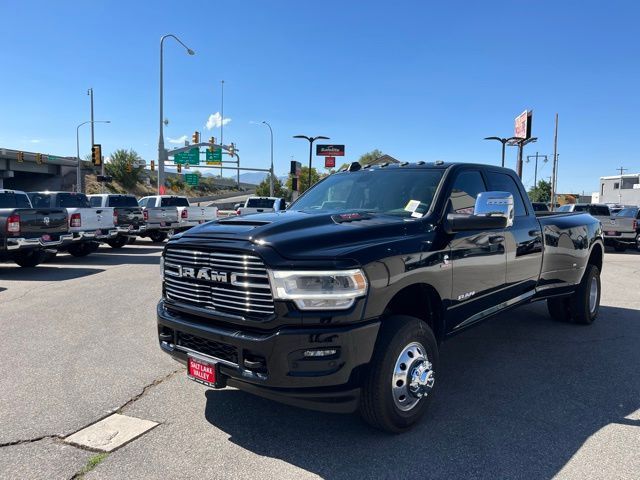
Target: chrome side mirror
495,204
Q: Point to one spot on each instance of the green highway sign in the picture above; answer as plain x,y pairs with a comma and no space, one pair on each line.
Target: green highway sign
215,157
192,157
191,179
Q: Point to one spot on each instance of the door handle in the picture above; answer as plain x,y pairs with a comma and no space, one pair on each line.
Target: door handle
496,239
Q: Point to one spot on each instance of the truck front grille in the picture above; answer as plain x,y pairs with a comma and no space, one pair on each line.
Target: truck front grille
235,283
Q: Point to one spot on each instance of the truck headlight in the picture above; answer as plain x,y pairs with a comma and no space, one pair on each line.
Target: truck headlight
319,290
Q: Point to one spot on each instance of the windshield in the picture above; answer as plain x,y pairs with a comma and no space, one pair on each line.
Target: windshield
260,203
174,202
14,200
392,192
122,201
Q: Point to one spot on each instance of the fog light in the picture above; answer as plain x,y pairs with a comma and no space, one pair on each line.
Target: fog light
320,353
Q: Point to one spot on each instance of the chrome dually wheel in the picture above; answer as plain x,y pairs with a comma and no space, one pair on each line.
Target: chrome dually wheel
413,377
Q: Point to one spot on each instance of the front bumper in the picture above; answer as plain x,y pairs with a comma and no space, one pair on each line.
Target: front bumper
14,244
273,364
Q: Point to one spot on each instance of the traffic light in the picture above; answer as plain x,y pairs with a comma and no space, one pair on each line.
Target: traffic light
179,168
153,165
195,138
20,156
39,158
212,140
232,149
96,155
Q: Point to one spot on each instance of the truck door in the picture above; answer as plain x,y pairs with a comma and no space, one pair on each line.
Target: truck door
478,258
524,239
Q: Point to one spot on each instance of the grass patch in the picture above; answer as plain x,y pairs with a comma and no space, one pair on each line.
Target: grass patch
92,463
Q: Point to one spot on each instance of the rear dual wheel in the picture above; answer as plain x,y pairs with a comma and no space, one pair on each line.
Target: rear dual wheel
83,249
583,305
399,385
157,236
30,258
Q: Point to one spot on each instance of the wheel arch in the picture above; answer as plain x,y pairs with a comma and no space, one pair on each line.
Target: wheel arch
596,256
419,300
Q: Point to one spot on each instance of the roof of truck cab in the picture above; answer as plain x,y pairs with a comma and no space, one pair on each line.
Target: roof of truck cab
436,165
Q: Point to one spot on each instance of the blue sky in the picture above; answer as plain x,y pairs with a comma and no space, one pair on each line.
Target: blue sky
418,80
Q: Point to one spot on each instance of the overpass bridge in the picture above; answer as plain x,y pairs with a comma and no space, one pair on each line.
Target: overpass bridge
20,170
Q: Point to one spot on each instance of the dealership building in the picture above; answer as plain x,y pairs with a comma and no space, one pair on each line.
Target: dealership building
622,189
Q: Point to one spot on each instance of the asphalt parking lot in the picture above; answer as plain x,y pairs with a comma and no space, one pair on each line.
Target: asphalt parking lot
518,397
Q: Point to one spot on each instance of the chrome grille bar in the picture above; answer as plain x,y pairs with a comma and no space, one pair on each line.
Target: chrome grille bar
249,294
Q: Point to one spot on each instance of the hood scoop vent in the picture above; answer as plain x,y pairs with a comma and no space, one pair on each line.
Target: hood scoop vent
246,222
350,217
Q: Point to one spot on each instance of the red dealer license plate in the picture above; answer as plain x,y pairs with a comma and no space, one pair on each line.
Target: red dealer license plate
202,372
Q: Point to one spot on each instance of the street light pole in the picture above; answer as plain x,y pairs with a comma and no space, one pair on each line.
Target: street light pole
504,142
311,140
78,176
161,150
271,176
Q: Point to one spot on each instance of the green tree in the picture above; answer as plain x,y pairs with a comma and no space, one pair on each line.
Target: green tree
122,167
365,158
541,192
263,189
303,180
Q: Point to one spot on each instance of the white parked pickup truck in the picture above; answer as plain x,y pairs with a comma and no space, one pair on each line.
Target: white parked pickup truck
176,213
262,205
89,226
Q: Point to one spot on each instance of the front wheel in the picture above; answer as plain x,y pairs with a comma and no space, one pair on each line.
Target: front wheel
157,236
619,247
118,242
399,384
80,250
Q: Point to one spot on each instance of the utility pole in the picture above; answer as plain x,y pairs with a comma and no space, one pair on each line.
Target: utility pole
222,120
554,183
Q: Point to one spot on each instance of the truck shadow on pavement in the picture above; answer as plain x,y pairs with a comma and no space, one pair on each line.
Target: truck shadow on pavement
518,396
43,273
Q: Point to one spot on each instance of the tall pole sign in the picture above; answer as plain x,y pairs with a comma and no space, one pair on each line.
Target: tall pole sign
523,133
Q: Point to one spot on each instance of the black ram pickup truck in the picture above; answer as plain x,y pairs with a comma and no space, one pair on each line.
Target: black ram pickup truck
340,302
26,232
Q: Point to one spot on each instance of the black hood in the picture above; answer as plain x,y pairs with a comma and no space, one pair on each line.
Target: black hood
303,234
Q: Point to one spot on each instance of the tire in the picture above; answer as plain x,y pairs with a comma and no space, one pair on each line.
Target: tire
131,240
29,258
118,242
80,250
157,236
583,305
619,247
401,340
638,242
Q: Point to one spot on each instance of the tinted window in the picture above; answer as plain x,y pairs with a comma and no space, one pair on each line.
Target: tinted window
174,202
95,201
260,203
143,202
14,200
122,201
628,212
40,200
465,190
564,208
386,191
540,207
501,182
72,200
601,210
